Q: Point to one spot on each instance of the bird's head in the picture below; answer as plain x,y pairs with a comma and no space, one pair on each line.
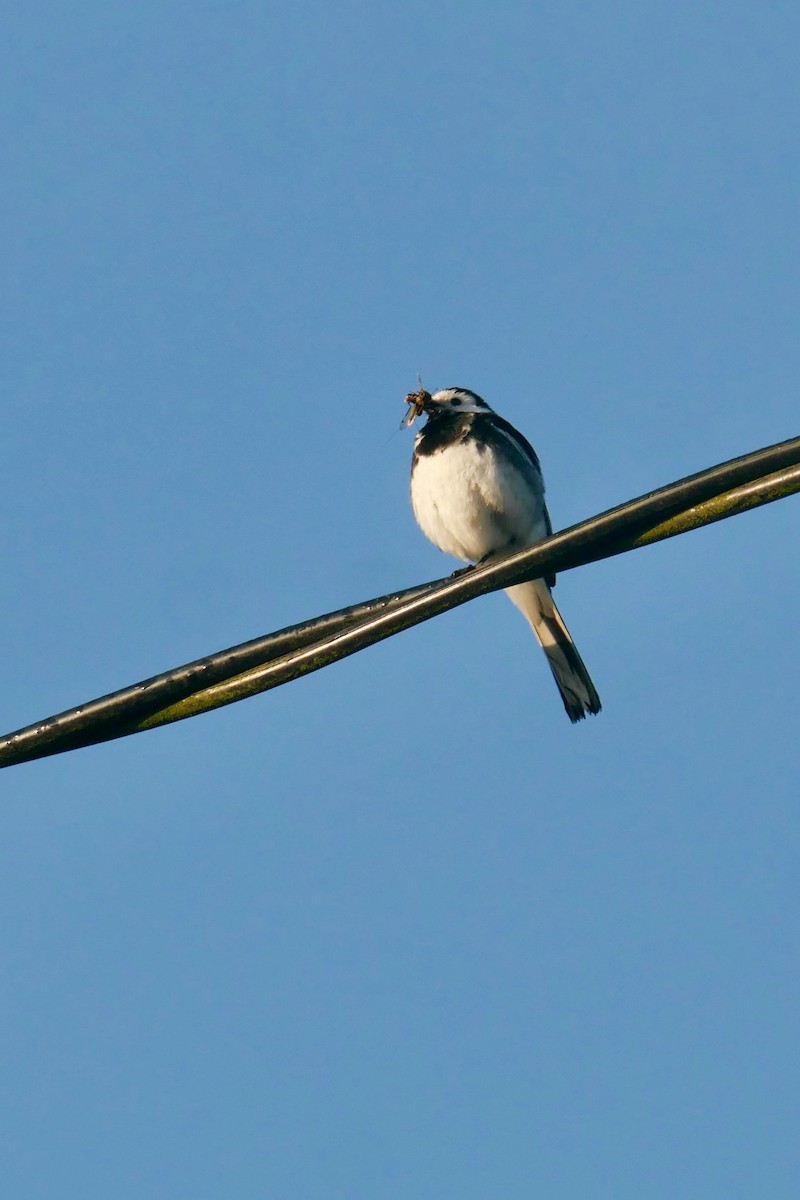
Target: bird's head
449,400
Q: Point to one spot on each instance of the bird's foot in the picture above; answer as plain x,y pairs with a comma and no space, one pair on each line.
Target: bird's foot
472,566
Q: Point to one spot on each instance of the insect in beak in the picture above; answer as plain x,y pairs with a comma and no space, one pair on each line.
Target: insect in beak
418,402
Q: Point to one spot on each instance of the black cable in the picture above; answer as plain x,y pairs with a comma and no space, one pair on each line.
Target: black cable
278,657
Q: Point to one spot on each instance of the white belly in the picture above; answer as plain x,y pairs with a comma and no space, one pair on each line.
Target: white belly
469,504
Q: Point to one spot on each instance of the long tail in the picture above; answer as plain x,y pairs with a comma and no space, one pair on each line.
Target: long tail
572,679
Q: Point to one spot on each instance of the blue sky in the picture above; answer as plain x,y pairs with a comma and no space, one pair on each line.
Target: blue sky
397,930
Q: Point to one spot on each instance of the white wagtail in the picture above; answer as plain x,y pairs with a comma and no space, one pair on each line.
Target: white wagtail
477,490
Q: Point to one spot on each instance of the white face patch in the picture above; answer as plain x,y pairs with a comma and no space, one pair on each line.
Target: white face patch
458,400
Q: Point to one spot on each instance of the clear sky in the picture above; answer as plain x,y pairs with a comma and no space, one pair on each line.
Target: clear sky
398,930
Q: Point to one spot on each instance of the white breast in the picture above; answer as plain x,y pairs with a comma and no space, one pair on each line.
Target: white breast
470,503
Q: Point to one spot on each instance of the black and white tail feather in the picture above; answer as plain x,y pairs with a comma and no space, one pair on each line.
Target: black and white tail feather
477,490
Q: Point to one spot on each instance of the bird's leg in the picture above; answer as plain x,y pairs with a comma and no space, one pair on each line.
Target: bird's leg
472,566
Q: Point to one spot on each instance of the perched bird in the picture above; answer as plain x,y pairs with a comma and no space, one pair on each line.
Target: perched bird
477,490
